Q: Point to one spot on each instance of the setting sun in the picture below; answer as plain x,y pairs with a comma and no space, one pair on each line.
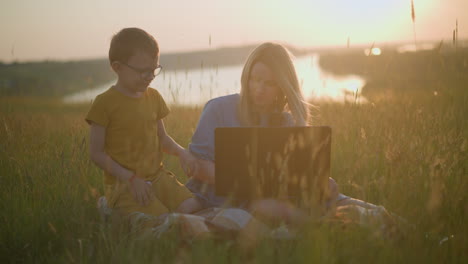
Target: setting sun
190,25
245,131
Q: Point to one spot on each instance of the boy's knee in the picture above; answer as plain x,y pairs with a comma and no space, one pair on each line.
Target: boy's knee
189,206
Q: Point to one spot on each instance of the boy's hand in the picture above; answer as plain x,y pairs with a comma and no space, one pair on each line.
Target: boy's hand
141,191
189,163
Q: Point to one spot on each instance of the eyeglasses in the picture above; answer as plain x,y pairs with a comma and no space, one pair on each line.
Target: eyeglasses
145,73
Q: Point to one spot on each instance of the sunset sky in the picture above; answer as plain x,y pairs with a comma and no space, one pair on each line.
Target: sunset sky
63,30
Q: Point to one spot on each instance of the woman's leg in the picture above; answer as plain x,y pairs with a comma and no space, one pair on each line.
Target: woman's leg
346,200
275,211
340,199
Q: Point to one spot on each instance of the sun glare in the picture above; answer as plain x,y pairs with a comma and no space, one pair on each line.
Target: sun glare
360,22
373,52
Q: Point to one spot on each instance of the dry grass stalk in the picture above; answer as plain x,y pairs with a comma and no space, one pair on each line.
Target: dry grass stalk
413,18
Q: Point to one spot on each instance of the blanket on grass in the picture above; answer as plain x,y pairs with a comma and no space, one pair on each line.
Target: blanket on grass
241,226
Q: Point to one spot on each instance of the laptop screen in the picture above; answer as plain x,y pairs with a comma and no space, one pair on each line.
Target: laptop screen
290,163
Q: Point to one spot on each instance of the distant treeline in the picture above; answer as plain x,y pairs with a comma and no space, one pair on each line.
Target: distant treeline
427,69
399,70
54,78
212,58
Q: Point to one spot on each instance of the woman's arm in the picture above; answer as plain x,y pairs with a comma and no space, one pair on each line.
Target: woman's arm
202,145
205,171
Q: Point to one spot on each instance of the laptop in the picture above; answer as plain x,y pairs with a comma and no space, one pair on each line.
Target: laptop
290,163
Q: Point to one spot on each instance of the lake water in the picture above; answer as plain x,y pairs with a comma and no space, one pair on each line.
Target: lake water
197,86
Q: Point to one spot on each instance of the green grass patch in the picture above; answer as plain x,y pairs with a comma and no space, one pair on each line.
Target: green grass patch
408,152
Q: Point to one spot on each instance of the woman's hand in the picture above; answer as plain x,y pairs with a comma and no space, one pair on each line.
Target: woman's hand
333,193
189,163
333,188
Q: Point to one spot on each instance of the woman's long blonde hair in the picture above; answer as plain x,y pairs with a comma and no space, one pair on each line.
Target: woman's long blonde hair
278,60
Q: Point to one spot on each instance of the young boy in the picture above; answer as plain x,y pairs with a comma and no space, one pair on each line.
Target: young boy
127,133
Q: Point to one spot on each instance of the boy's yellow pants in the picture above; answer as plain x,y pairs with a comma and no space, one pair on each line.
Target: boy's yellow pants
169,193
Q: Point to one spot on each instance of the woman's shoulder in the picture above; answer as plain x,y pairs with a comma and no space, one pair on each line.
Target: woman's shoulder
223,102
230,98
223,109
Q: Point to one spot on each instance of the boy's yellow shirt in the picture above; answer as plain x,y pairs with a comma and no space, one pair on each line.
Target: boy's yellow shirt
131,130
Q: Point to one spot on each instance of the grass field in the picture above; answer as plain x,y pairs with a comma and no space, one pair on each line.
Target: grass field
406,150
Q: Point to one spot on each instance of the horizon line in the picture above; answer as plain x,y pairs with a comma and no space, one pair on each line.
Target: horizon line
240,46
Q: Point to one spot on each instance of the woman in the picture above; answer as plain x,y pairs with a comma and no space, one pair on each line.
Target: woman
270,96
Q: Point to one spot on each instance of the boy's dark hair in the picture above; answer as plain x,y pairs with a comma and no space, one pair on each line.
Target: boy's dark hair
127,41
